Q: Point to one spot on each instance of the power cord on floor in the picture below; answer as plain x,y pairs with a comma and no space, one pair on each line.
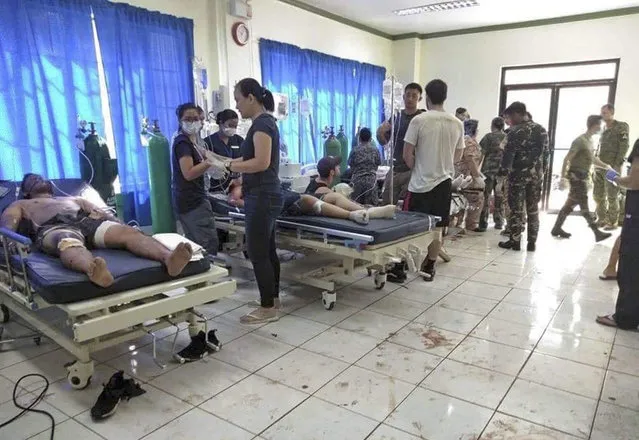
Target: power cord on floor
29,408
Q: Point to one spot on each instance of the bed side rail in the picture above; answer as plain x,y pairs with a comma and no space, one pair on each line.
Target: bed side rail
12,242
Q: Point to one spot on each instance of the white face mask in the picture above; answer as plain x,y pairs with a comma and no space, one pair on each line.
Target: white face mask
228,131
193,127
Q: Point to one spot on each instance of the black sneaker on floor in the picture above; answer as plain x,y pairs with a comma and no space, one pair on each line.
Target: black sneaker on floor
114,391
510,244
213,342
428,270
397,274
195,351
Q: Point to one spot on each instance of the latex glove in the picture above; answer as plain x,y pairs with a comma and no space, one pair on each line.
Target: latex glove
478,183
563,184
611,175
217,169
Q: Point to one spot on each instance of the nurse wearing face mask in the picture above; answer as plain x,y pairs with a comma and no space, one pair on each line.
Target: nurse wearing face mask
225,142
189,191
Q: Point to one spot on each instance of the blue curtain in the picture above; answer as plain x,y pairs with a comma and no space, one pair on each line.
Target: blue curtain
340,92
148,63
48,77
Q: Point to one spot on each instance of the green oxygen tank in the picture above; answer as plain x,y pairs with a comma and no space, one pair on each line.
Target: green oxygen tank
343,140
332,146
96,166
159,159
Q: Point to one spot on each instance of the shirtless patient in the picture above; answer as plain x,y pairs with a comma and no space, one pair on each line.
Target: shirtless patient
66,226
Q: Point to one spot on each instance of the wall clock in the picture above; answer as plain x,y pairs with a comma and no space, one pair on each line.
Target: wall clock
240,33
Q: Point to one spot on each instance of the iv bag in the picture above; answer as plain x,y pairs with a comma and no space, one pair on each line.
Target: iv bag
399,95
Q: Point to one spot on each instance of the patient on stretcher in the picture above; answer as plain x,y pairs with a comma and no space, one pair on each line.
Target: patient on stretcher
68,227
332,205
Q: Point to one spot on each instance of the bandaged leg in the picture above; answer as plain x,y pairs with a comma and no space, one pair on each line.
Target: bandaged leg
387,211
328,210
75,256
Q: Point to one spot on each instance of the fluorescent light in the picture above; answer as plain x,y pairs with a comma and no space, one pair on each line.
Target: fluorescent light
437,7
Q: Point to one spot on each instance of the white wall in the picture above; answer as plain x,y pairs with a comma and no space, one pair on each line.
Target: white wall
285,23
407,56
471,64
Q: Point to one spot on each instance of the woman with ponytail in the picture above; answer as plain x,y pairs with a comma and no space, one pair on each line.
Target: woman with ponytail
259,166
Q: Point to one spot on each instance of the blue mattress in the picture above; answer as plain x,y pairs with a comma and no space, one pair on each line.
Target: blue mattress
58,285
382,230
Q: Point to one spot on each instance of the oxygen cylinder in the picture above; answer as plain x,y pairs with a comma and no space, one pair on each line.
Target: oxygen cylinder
159,159
343,140
332,146
356,137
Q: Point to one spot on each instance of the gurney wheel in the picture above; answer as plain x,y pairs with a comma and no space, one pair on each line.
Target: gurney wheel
369,271
380,281
4,313
79,383
329,299
79,374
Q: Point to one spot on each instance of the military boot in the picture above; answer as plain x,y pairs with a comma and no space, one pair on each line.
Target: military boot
557,231
600,235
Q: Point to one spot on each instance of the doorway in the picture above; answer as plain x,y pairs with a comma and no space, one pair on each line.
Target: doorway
560,97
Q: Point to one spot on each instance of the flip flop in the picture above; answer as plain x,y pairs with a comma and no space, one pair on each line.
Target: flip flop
253,318
607,278
607,320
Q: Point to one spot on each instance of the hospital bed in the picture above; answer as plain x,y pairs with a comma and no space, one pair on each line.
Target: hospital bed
143,299
345,245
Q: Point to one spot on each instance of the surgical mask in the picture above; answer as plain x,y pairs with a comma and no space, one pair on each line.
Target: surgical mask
229,131
192,127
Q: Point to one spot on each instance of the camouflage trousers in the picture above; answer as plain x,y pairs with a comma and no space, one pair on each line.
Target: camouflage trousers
493,184
578,195
606,197
524,193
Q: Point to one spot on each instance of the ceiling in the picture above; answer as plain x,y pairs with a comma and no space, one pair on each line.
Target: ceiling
378,14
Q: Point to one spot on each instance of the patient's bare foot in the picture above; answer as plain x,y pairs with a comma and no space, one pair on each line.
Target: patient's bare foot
387,211
99,273
179,258
360,216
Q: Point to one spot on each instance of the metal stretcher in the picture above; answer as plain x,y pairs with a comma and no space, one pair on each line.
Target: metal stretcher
335,239
28,285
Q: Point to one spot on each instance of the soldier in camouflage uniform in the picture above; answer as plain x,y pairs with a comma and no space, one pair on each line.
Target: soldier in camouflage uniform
576,170
525,161
613,147
492,152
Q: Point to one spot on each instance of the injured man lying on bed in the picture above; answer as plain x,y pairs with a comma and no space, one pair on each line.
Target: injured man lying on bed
332,205
68,227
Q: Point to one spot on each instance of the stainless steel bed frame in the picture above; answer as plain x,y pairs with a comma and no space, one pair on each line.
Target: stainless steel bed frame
98,323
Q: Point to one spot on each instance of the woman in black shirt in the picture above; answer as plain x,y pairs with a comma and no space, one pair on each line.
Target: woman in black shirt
263,202
189,193
225,142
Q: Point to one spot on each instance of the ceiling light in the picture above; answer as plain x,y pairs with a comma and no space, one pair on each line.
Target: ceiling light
436,7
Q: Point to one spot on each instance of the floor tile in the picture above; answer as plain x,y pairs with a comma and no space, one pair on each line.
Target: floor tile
29,424
586,351
508,333
441,283
400,362
292,330
120,349
212,376
504,427
623,360
483,290
419,291
316,419
472,262
252,352
367,393
139,416
69,429
497,279
6,389
139,363
490,355
507,269
546,298
432,340
341,344
372,324
470,383
448,319
303,370
398,307
50,365
467,303
518,314
315,311
582,326
454,271
363,293
23,349
385,432
227,332
219,307
438,417
621,389
199,425
565,375
585,309
627,339
255,403
613,422
550,407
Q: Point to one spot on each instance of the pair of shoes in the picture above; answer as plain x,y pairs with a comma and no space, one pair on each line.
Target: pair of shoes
397,274
428,270
115,390
200,345
510,244
558,232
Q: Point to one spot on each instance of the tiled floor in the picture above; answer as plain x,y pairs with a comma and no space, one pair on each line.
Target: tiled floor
502,345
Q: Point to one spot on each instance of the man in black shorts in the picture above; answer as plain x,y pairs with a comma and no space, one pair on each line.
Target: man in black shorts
433,143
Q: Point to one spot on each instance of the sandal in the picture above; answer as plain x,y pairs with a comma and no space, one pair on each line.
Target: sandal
607,320
258,303
255,317
608,277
